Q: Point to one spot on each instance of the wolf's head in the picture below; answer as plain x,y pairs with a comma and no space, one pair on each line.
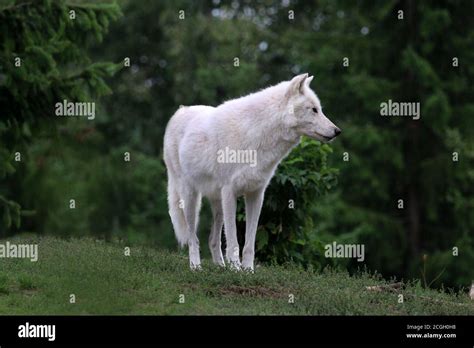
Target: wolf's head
305,115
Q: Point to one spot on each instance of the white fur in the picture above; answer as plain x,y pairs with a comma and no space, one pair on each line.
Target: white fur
269,122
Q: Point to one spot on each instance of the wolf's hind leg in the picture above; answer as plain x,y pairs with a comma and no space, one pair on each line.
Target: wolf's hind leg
192,205
216,232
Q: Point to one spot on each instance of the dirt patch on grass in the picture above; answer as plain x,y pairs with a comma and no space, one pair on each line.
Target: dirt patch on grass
239,290
255,291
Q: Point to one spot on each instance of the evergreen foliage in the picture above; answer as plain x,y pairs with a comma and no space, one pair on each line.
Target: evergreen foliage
43,61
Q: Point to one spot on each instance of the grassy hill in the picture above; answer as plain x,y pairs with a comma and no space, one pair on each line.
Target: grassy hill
149,281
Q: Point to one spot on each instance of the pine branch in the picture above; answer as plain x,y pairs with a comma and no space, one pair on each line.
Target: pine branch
15,6
90,6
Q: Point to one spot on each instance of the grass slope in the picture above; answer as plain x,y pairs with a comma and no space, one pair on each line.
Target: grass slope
105,281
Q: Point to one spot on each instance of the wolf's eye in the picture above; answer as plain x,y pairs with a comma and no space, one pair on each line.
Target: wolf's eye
315,110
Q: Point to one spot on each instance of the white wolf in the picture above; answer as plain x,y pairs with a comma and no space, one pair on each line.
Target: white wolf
269,123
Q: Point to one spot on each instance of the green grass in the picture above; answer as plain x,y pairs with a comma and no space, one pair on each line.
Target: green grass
105,281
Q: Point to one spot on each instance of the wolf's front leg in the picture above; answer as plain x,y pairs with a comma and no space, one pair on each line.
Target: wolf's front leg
229,206
253,206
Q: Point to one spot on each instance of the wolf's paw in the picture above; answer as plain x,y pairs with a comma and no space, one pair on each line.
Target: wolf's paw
248,269
220,263
195,267
235,265
218,260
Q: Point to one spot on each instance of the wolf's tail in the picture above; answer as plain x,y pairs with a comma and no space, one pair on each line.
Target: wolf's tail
176,185
176,212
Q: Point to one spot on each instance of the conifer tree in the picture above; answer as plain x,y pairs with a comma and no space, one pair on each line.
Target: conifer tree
43,61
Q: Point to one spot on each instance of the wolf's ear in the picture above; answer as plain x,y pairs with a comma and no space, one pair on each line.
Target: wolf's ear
308,80
297,84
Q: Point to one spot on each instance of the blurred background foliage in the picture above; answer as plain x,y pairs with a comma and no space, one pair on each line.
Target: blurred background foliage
347,191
